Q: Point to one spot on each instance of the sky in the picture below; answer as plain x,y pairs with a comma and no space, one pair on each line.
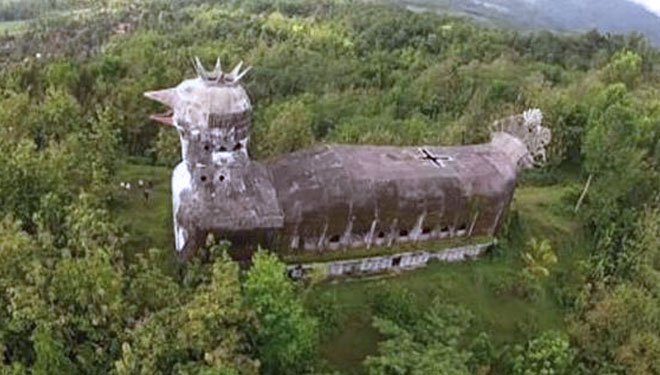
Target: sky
652,5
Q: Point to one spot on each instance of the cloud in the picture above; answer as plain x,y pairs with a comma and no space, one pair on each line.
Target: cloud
651,5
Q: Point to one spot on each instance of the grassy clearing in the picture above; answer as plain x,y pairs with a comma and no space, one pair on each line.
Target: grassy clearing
149,222
13,27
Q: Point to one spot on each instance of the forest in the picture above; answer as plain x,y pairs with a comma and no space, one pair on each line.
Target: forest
90,284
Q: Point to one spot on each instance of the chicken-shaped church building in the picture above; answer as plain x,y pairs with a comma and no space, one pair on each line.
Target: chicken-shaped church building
332,196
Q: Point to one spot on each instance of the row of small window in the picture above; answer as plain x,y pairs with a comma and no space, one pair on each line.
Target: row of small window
204,178
403,233
207,147
237,147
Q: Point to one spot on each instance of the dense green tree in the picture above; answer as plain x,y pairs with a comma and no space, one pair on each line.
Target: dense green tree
616,320
31,179
625,67
194,329
394,303
616,154
167,148
60,114
287,128
51,357
430,345
549,354
286,335
618,333
62,74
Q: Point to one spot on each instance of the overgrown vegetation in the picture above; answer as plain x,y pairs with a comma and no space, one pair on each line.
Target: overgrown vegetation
87,280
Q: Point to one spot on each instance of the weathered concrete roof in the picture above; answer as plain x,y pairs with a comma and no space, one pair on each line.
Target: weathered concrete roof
325,166
390,162
336,184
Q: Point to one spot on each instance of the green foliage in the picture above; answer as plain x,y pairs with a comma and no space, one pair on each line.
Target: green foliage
96,149
200,330
617,147
549,354
618,333
31,179
538,259
625,67
15,117
63,307
286,336
287,128
62,74
325,309
68,296
484,355
394,303
616,322
50,355
428,345
167,148
60,114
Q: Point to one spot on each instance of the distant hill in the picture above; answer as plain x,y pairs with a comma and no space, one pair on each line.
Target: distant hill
615,16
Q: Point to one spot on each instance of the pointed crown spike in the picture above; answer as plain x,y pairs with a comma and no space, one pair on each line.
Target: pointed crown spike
237,78
199,68
236,69
217,75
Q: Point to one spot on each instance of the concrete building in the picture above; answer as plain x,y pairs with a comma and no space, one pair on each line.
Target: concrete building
332,196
